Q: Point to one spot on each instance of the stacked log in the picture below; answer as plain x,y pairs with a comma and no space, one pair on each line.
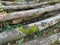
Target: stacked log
46,41
26,6
15,34
19,16
24,3
28,13
16,3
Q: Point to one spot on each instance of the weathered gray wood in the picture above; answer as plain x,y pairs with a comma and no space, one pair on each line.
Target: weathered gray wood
11,35
26,6
16,33
46,23
18,7
15,21
45,41
28,13
16,3
30,2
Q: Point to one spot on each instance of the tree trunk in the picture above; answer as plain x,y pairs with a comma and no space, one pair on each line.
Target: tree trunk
16,3
45,41
27,6
47,22
27,19
9,36
15,34
28,13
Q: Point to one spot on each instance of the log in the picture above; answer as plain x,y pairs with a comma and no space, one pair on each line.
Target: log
24,3
29,19
45,23
28,13
9,36
45,41
16,3
15,34
20,7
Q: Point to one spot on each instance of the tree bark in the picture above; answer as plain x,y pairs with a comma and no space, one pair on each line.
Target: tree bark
9,36
28,13
45,41
24,3
16,3
28,19
27,6
46,23
15,34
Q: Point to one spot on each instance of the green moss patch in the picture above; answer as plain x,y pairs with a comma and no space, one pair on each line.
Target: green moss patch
29,30
1,10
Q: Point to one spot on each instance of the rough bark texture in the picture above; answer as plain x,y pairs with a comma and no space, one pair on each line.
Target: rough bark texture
26,6
28,13
30,2
16,33
45,41
46,23
11,35
45,15
16,3
18,7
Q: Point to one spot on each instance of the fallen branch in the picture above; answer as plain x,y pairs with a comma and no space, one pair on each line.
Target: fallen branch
28,13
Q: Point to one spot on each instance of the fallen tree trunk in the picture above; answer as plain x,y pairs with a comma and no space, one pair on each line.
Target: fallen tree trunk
19,7
9,36
15,34
16,3
45,23
46,41
29,19
28,13
27,6
24,3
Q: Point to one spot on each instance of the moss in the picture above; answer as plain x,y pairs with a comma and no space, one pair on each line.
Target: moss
56,0
33,14
30,30
58,20
1,10
53,2
21,41
56,42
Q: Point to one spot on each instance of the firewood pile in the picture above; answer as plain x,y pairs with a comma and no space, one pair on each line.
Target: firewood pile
34,22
